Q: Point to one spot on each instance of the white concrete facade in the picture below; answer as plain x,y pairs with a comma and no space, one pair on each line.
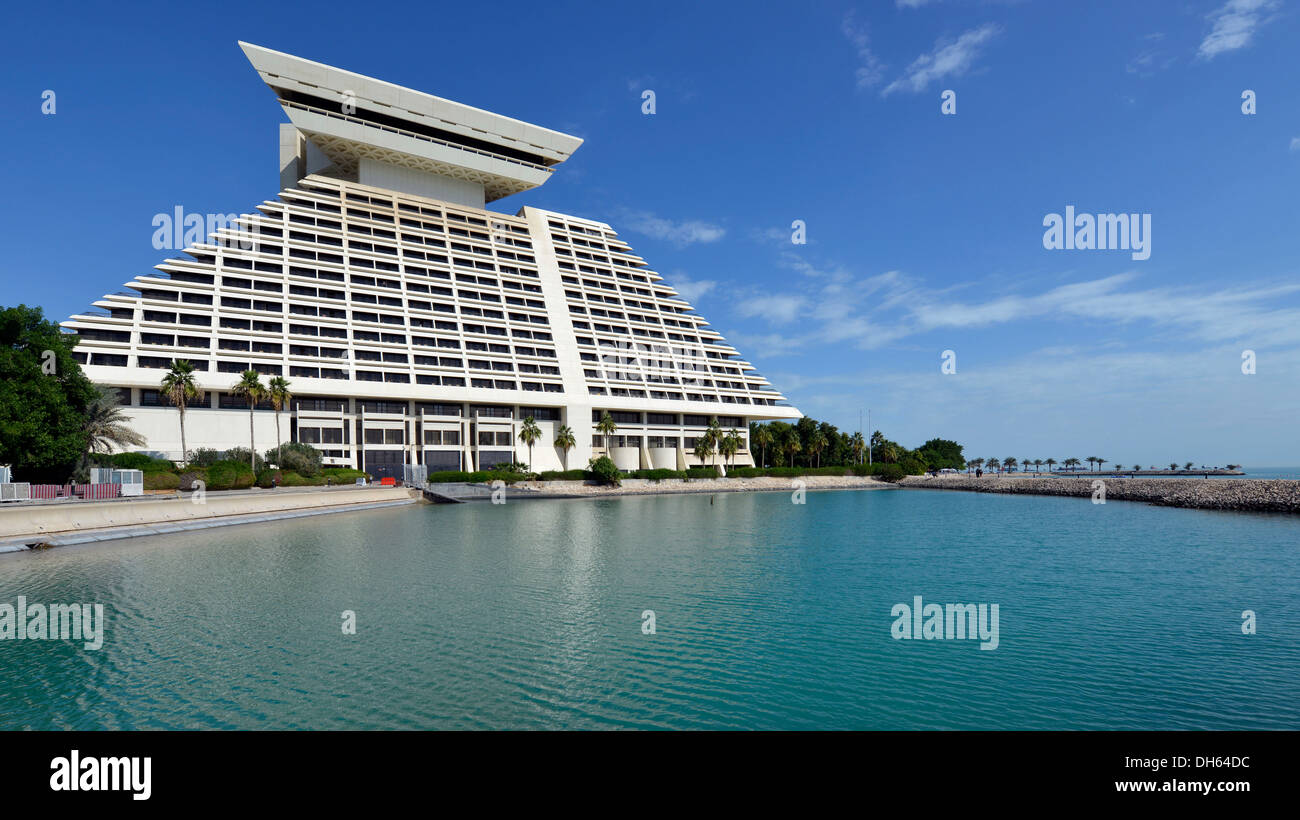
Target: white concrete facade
414,325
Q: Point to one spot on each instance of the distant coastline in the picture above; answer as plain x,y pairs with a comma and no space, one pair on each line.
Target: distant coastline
1242,494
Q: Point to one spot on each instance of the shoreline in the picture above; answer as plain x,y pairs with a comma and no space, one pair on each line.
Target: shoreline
77,522
1239,495
688,486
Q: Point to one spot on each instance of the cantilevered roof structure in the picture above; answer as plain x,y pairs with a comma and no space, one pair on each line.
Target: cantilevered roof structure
352,118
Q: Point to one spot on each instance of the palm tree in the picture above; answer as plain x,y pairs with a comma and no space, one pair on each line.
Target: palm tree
606,427
714,434
1187,466
730,446
994,464
565,441
703,448
762,436
1119,468
858,444
1010,463
105,427
792,444
1100,462
816,444
1173,467
277,390
1025,464
975,462
179,389
250,388
1091,461
889,452
1050,463
1072,462
1038,462
529,433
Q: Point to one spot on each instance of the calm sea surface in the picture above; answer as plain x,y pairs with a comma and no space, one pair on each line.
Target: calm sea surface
768,615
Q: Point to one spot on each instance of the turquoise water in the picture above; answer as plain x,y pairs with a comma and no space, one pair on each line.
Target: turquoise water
769,615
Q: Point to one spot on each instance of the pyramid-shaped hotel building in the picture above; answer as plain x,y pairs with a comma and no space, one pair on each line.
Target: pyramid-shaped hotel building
414,325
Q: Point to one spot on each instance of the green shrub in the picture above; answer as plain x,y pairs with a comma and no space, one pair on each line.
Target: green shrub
266,478
913,466
204,457
443,476
241,454
300,458
136,461
566,475
604,470
657,475
342,475
892,473
230,475
701,472
160,481
288,478
188,477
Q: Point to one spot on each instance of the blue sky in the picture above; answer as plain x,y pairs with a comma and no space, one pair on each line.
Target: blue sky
924,230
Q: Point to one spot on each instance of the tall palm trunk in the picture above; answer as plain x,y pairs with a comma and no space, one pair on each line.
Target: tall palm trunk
252,449
277,438
185,455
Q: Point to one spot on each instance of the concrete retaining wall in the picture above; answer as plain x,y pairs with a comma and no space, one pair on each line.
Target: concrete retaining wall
41,519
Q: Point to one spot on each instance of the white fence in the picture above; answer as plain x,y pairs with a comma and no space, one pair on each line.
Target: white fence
21,491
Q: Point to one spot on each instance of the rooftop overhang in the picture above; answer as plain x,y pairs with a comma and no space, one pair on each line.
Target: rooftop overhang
350,116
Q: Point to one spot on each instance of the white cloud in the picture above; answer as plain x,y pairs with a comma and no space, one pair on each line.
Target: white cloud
870,68
1235,23
777,309
912,4
833,306
690,289
689,232
950,58
1295,143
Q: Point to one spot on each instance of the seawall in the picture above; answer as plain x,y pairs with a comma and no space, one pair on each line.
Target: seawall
1247,494
73,522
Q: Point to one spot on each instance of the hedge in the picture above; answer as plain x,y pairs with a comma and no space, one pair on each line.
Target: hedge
161,481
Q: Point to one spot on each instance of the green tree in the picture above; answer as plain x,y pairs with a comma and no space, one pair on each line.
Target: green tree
606,427
106,425
761,434
817,445
565,441
993,464
250,388
730,446
1010,463
277,391
791,444
703,449
1187,466
859,444
529,433
179,389
1050,463
44,398
714,435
